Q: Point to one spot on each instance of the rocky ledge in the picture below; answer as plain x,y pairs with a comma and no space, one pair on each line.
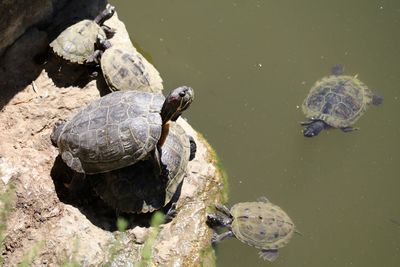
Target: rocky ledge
49,225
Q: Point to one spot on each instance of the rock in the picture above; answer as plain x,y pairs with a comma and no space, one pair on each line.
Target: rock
62,226
17,16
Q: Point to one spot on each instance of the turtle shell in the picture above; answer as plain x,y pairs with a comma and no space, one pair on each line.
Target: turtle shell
137,188
337,100
112,132
77,42
261,224
126,69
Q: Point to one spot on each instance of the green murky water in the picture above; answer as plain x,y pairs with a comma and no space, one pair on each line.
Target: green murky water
251,64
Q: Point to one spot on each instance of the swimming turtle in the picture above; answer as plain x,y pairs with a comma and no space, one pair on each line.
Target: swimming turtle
260,224
119,129
336,101
77,42
138,188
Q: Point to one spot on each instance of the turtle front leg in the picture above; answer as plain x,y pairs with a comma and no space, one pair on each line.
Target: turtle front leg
269,255
314,128
95,57
349,129
218,238
224,209
305,123
171,213
193,148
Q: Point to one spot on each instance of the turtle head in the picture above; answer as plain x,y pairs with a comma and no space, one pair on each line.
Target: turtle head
337,69
106,14
314,128
218,219
176,102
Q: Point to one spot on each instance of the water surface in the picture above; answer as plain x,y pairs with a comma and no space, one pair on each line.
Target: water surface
251,64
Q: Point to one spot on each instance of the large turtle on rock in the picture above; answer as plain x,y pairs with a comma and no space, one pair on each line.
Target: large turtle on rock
259,224
336,101
77,42
119,129
138,188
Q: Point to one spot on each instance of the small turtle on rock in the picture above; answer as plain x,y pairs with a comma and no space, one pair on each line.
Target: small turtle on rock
138,188
119,129
259,224
336,101
124,68
77,42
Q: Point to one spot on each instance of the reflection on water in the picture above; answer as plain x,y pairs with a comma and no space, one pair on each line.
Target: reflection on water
252,63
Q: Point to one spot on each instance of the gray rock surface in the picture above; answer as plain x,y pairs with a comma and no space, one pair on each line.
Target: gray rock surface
60,225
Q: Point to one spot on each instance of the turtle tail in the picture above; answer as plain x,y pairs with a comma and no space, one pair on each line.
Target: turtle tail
57,129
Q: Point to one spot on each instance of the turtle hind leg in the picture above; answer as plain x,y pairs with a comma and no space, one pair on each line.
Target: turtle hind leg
269,255
72,162
349,129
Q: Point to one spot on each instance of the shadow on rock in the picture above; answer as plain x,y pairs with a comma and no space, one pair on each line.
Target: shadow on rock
75,189
19,65
65,74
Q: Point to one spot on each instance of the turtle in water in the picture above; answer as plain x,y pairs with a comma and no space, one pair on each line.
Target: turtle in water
124,68
119,129
336,101
259,224
77,42
137,188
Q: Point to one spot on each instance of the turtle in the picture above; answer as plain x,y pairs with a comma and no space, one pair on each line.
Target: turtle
124,68
119,129
76,43
260,224
137,188
336,101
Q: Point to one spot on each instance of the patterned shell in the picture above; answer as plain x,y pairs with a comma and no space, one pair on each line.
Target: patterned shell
126,69
262,225
77,42
138,188
337,100
112,132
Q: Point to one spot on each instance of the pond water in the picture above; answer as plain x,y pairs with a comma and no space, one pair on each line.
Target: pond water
251,64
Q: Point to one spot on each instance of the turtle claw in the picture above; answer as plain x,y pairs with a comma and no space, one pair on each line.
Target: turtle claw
171,213
269,255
